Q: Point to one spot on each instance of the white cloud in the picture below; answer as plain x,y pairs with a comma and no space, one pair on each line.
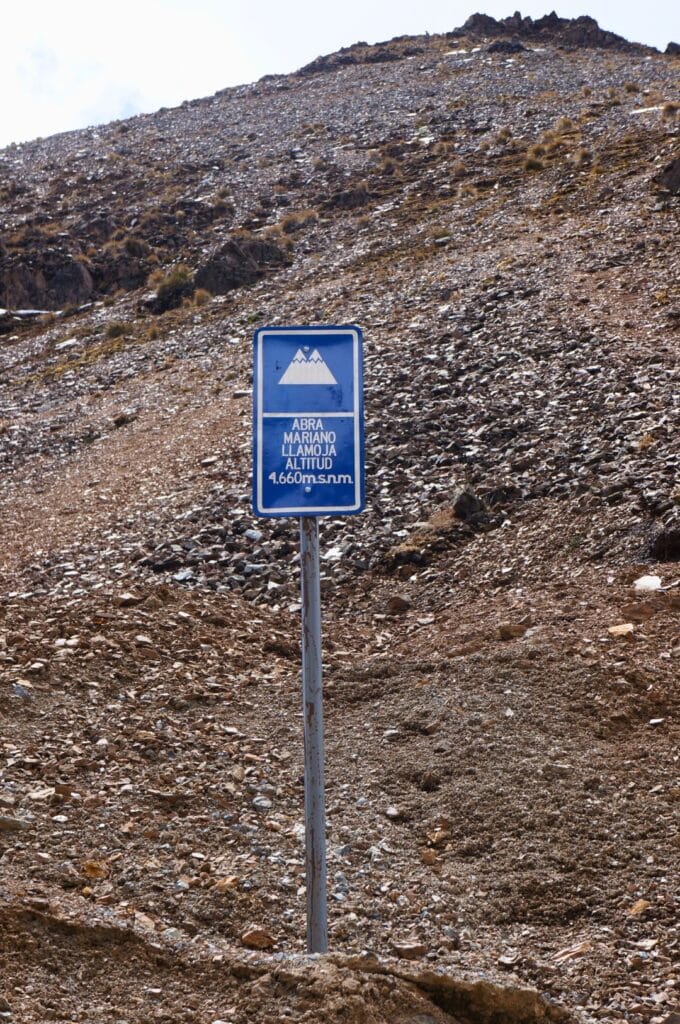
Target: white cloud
63,69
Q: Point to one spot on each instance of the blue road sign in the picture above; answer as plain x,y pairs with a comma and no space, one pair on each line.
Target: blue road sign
308,421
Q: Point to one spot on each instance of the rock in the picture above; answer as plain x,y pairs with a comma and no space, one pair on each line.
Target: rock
397,605
639,611
639,907
223,885
46,278
468,506
409,950
669,177
240,261
392,735
330,62
348,199
511,630
128,599
623,630
557,770
480,25
257,938
672,50
665,545
8,824
647,583
581,32
261,803
572,952
393,813
122,418
508,960
506,46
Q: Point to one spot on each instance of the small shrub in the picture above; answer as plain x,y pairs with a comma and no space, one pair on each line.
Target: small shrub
297,220
116,329
202,297
136,246
388,165
536,152
581,157
221,208
532,163
670,110
172,288
631,87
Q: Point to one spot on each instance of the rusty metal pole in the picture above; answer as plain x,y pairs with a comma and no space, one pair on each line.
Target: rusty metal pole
312,707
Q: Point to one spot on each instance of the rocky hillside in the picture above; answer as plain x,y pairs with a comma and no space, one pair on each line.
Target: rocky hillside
497,207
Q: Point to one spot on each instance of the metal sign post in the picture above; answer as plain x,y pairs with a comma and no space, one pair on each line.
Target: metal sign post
312,707
309,461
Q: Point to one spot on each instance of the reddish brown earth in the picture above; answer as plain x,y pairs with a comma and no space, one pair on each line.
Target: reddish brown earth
503,779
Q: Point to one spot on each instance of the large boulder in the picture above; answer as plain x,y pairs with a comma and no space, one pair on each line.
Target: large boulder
239,262
572,33
669,178
481,25
45,279
506,46
116,267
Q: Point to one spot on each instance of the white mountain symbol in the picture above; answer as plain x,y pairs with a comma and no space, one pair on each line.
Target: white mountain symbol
308,370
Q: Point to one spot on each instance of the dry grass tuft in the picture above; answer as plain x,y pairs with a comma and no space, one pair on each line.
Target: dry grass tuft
533,163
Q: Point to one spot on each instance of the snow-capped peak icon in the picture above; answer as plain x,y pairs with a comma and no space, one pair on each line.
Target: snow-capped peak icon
308,370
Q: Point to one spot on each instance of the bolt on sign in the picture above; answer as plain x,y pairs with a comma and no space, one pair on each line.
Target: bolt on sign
308,461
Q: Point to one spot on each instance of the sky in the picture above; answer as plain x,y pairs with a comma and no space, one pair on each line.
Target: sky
73,63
